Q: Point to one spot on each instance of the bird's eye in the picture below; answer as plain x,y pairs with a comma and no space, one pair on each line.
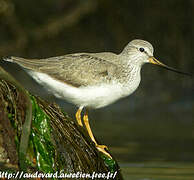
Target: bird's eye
141,49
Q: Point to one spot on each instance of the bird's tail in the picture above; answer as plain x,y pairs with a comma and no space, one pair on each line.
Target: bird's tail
7,58
29,64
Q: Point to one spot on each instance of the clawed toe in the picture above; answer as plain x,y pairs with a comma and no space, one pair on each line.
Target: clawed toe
103,148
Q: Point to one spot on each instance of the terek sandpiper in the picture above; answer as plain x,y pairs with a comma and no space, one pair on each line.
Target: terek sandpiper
92,80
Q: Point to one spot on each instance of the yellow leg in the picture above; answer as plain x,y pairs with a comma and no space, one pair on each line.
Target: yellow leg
99,147
78,116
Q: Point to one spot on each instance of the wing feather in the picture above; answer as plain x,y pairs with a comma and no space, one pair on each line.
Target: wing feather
79,69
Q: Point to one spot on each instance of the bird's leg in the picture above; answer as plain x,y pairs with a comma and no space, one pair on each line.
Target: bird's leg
99,147
78,116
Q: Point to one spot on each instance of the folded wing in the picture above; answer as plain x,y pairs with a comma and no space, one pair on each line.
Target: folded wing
79,69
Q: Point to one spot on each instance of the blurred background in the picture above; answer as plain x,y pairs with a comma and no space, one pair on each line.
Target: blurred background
156,123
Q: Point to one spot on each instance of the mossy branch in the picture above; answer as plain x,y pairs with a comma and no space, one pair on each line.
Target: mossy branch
39,136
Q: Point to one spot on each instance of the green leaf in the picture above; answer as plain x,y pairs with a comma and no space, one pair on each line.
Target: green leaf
41,139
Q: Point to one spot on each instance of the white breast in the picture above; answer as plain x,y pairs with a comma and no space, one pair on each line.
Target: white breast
90,96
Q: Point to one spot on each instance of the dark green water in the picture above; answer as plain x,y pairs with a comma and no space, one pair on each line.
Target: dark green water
144,154
158,171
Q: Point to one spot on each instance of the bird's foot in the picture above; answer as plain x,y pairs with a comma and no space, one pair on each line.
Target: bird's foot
103,148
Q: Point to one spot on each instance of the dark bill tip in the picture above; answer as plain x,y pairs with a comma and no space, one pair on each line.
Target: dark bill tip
176,70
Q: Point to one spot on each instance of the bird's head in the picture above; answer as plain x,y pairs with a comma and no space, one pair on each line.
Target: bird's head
141,52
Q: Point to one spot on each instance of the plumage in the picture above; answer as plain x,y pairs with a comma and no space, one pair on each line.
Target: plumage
73,69
92,80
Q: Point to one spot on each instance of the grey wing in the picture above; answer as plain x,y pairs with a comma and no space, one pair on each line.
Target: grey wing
80,69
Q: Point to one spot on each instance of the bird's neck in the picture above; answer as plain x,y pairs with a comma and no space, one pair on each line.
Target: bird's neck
132,72
130,78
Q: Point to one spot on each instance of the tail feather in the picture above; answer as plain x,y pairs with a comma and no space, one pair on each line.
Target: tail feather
25,63
8,58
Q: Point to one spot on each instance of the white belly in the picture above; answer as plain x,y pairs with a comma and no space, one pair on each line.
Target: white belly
90,96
